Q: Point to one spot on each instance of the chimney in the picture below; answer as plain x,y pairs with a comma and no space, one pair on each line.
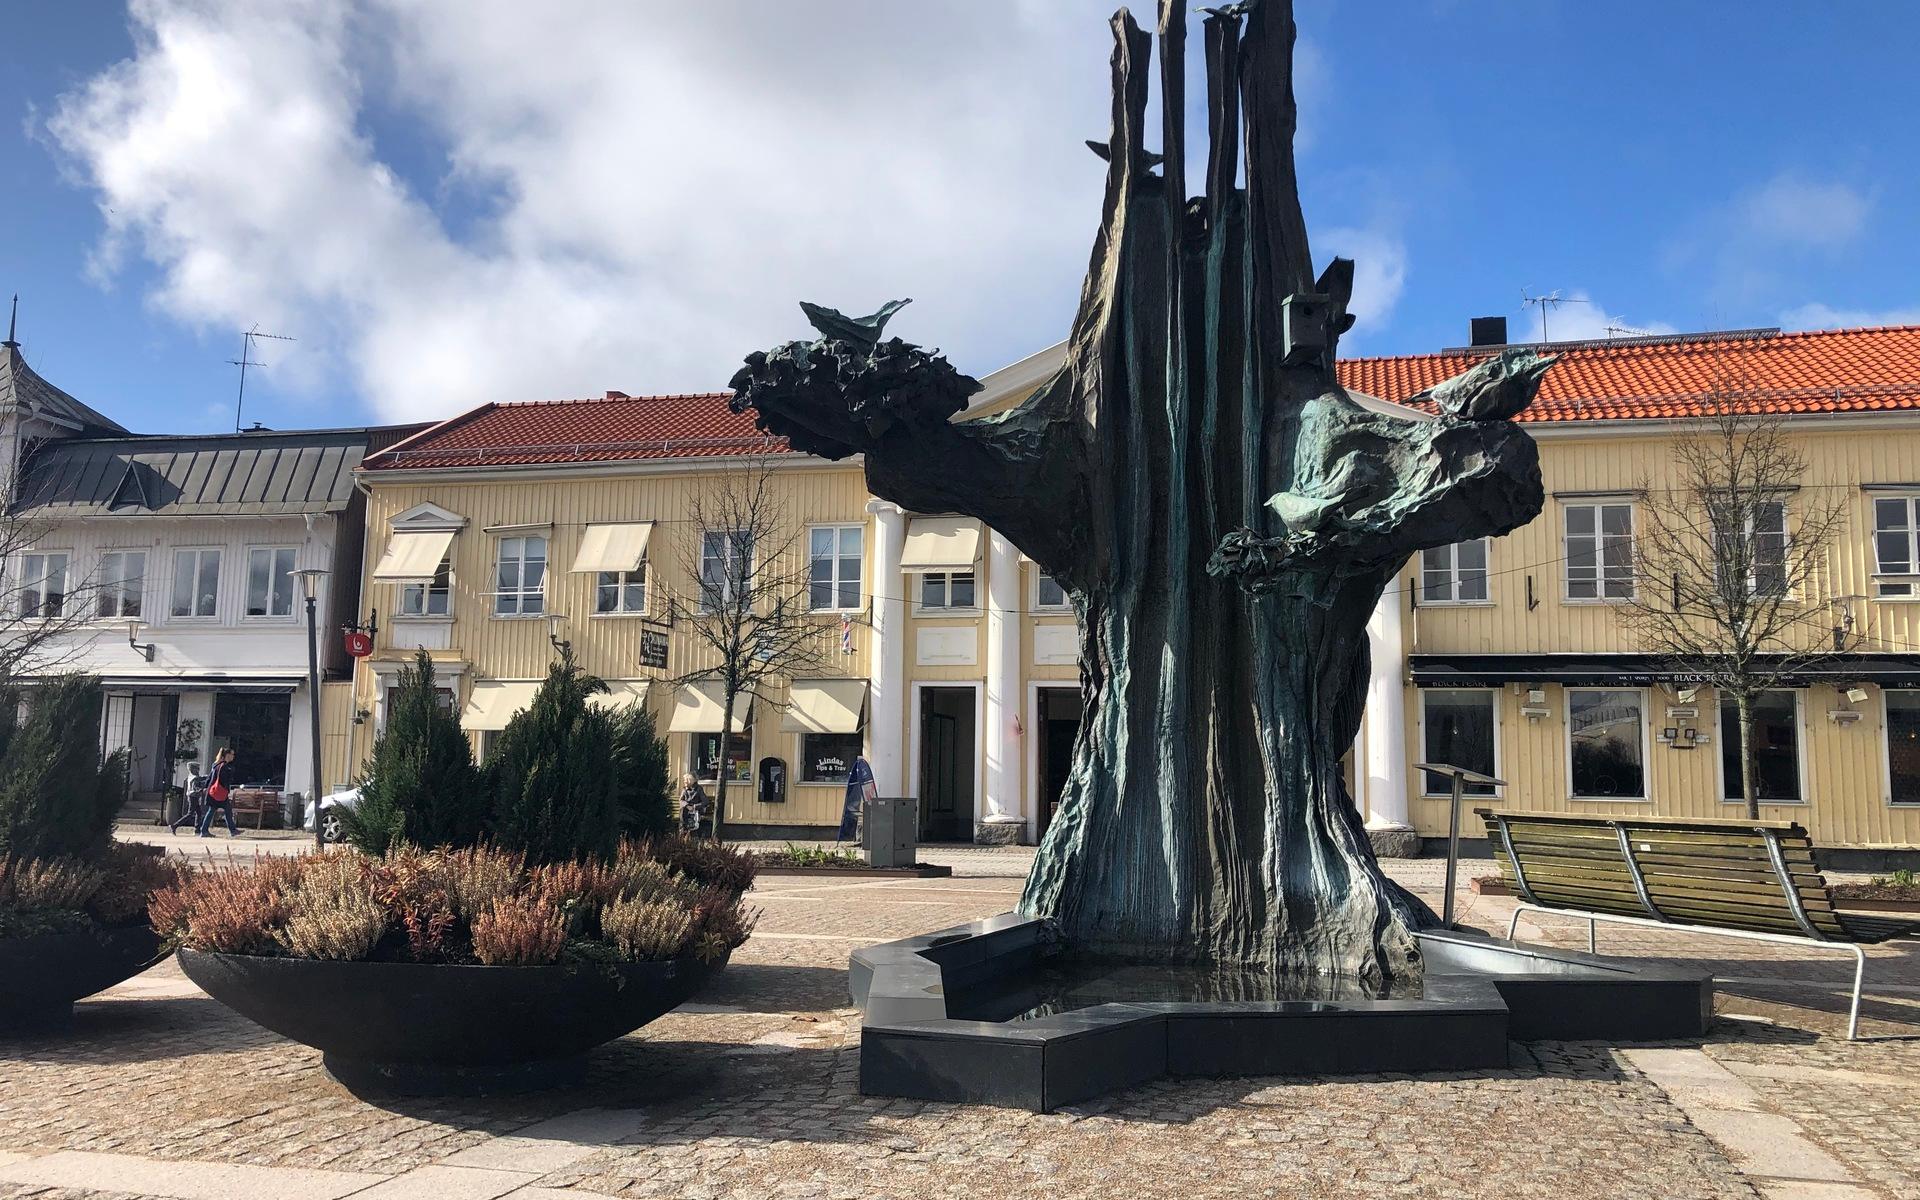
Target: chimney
1489,331
613,395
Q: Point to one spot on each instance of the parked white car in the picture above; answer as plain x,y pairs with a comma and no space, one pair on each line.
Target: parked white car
332,813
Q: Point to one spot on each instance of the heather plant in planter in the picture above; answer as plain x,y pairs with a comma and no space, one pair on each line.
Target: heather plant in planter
73,905
459,968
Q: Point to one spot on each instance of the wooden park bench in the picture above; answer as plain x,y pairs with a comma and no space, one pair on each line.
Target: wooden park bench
1744,879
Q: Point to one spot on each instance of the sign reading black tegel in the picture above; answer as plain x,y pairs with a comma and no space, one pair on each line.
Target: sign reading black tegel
653,648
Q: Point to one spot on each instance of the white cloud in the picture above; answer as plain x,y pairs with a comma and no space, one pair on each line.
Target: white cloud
659,184
1795,210
1580,318
1379,273
1821,316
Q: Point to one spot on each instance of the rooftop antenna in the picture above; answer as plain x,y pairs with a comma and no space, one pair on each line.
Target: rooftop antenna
1552,299
1629,331
13,319
246,360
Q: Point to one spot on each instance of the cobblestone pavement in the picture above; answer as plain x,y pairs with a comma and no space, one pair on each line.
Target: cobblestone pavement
751,1092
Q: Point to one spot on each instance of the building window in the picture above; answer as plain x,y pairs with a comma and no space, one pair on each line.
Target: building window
270,581
621,591
1599,551
123,576
520,577
1606,736
706,757
196,583
1903,746
391,695
1776,748
1457,727
43,584
725,559
833,568
827,757
433,598
1896,543
1047,592
1455,574
946,589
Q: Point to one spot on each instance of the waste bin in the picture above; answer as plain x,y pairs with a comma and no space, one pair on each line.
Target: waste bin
889,832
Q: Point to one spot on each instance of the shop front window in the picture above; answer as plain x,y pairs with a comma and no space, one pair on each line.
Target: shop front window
827,757
706,757
1776,748
1606,744
1458,731
1903,747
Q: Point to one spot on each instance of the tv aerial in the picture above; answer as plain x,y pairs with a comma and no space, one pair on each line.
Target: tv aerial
246,360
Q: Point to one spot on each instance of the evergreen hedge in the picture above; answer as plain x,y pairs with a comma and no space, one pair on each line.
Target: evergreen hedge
552,776
643,789
422,786
58,797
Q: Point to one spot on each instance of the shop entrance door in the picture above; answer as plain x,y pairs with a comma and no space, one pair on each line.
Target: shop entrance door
1057,715
947,757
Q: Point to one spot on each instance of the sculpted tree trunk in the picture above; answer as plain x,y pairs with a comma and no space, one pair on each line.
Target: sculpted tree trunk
1222,514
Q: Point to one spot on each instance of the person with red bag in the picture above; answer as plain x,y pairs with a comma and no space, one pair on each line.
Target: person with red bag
220,794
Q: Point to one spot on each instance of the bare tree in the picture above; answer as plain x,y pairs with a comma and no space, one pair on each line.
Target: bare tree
50,608
1730,560
748,612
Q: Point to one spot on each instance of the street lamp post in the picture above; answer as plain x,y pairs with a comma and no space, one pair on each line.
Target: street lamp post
310,586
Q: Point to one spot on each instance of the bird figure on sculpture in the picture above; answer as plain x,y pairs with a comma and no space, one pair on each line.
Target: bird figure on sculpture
1230,11
1495,390
832,323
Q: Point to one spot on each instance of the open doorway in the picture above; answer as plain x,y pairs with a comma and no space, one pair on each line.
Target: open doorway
948,757
1056,721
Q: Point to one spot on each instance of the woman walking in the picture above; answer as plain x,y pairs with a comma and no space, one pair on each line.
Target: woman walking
220,794
696,807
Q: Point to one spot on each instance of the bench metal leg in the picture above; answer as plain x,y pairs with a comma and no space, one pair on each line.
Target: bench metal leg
1859,954
1593,946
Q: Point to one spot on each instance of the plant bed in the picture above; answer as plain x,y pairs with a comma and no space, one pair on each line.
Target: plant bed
1490,885
811,860
42,975
448,1028
459,971
1899,892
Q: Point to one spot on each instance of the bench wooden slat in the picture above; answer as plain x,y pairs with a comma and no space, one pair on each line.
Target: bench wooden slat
1670,902
1812,889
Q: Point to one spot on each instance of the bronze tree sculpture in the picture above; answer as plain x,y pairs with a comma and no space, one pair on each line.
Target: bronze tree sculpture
1223,515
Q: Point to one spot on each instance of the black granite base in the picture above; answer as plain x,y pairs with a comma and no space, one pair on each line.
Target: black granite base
1478,994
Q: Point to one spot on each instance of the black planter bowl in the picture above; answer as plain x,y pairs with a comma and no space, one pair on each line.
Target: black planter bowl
41,976
445,1029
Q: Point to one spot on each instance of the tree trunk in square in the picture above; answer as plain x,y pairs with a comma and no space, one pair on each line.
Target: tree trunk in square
1222,514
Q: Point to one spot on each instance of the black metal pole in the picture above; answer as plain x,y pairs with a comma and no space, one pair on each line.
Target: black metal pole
313,714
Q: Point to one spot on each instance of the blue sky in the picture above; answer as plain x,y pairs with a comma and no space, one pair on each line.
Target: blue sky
447,204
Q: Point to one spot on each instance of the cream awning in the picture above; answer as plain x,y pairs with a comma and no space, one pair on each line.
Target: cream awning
825,705
613,547
494,702
941,544
622,693
413,557
699,708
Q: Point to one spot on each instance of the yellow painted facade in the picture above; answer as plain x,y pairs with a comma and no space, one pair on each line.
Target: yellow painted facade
1844,772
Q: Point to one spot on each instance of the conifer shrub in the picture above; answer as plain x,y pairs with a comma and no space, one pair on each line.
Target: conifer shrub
58,796
421,785
552,777
642,782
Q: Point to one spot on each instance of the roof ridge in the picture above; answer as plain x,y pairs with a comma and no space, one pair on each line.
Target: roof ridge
1654,342
613,399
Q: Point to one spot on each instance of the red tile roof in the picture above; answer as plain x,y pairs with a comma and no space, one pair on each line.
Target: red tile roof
619,428
1830,371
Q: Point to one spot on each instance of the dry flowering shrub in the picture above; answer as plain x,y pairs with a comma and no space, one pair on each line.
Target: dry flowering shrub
131,879
638,878
479,875
231,909
647,930
50,883
722,921
519,931
415,887
331,912
704,862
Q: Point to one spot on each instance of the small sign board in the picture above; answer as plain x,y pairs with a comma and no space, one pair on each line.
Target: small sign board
653,648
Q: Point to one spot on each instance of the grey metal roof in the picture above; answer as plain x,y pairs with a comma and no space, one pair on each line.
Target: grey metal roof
264,473
21,385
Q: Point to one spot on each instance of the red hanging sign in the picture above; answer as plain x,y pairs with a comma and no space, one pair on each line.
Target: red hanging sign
359,644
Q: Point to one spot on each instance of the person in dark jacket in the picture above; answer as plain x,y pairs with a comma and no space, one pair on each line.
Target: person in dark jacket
220,794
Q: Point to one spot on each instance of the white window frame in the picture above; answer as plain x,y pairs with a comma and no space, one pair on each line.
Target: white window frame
743,738
1883,579
1598,504
1886,750
1428,782
529,603
1731,737
113,587
729,541
1646,746
199,554
422,594
293,588
1041,606
949,609
622,580
1455,577
34,584
837,557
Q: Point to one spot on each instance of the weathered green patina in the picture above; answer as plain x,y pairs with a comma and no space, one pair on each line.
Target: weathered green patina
1223,515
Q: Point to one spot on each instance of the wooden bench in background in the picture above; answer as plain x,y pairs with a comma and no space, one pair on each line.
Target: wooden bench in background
1746,879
